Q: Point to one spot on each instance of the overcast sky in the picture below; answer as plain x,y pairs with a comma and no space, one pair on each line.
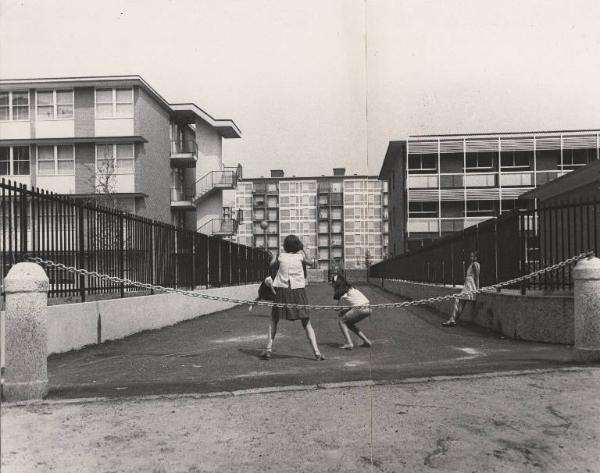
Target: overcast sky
294,75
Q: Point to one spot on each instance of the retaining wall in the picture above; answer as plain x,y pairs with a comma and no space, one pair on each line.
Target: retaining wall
537,318
73,326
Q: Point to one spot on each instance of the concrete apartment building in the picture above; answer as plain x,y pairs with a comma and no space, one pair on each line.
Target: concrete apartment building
338,217
440,184
84,136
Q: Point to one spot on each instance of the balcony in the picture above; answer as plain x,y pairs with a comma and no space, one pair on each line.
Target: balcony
215,180
220,227
184,153
182,198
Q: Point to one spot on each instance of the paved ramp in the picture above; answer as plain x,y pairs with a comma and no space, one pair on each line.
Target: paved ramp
221,352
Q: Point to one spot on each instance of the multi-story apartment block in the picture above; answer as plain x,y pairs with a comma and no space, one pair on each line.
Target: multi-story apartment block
86,136
339,218
444,183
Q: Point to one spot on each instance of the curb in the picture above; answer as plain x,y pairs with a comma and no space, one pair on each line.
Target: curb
291,388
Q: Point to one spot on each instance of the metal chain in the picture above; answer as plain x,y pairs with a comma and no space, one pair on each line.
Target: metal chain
391,305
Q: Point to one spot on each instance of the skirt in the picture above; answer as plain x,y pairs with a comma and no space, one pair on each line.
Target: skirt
469,286
286,295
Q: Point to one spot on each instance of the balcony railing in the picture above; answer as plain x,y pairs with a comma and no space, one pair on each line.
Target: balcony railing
182,197
215,180
184,152
444,224
222,227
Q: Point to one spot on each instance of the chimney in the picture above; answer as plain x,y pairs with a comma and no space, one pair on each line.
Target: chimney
339,171
277,173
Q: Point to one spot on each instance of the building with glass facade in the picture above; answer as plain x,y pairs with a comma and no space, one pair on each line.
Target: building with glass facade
444,183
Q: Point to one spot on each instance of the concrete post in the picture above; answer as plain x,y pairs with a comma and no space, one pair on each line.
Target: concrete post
26,373
586,276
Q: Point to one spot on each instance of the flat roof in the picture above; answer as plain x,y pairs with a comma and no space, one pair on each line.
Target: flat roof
508,133
312,178
225,127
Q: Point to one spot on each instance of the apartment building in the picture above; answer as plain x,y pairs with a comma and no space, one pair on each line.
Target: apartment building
340,218
440,184
89,137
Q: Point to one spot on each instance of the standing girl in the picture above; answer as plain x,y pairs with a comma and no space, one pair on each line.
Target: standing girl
471,284
290,286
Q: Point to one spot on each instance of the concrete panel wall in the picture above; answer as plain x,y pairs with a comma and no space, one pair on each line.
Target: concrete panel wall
152,164
84,111
73,326
546,319
85,164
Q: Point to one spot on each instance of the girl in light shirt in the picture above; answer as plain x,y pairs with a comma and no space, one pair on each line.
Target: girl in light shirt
290,284
349,317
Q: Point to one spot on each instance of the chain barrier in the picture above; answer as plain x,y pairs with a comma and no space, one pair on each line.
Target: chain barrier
390,305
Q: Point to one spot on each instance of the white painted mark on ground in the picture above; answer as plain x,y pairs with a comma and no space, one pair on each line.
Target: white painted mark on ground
469,351
352,364
244,338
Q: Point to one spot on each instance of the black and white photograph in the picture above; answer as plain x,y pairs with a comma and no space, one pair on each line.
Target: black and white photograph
299,236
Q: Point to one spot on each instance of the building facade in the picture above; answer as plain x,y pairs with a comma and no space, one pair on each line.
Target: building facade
441,184
341,219
116,139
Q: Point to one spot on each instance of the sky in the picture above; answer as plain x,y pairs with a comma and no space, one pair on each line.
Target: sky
319,84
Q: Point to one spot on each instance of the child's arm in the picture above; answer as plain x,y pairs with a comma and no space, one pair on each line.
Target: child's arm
305,259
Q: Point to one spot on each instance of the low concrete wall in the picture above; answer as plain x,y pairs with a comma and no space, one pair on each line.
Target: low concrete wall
73,326
531,317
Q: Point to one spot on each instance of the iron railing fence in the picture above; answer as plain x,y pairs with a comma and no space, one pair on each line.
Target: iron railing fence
511,245
38,223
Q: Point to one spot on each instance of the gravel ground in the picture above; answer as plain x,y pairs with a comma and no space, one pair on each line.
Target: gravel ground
543,421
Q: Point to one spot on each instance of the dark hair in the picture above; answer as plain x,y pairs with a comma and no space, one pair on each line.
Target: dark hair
292,244
340,287
474,253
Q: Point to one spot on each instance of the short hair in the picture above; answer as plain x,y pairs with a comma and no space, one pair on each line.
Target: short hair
474,253
340,287
292,244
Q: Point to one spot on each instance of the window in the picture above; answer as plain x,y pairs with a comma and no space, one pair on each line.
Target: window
336,214
272,215
336,227
259,214
323,240
272,188
481,208
14,160
54,104
479,161
422,163
323,213
259,241
272,202
336,187
14,105
323,227
423,209
115,158
573,158
508,205
516,159
322,200
114,103
56,160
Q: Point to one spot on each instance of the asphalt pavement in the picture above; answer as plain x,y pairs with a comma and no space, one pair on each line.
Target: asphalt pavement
221,353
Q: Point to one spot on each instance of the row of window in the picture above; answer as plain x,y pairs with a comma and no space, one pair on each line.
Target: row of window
58,104
474,208
509,160
59,160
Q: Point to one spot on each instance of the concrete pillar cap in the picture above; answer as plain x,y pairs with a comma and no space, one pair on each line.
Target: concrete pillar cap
587,268
26,277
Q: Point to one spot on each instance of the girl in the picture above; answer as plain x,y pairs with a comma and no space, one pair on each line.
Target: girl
289,284
471,284
349,317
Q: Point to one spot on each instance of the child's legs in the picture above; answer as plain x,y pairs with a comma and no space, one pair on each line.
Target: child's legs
345,333
310,334
359,334
272,330
459,305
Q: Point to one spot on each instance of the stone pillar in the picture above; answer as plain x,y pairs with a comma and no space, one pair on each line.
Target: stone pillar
586,276
26,371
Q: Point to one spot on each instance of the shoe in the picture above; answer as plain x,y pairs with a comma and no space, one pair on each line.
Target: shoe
319,356
449,323
347,347
266,355
250,307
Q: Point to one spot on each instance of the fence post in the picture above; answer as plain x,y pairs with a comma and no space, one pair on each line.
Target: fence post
121,252
26,376
586,276
81,242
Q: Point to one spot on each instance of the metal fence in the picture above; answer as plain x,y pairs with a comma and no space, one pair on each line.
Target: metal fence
34,222
512,245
